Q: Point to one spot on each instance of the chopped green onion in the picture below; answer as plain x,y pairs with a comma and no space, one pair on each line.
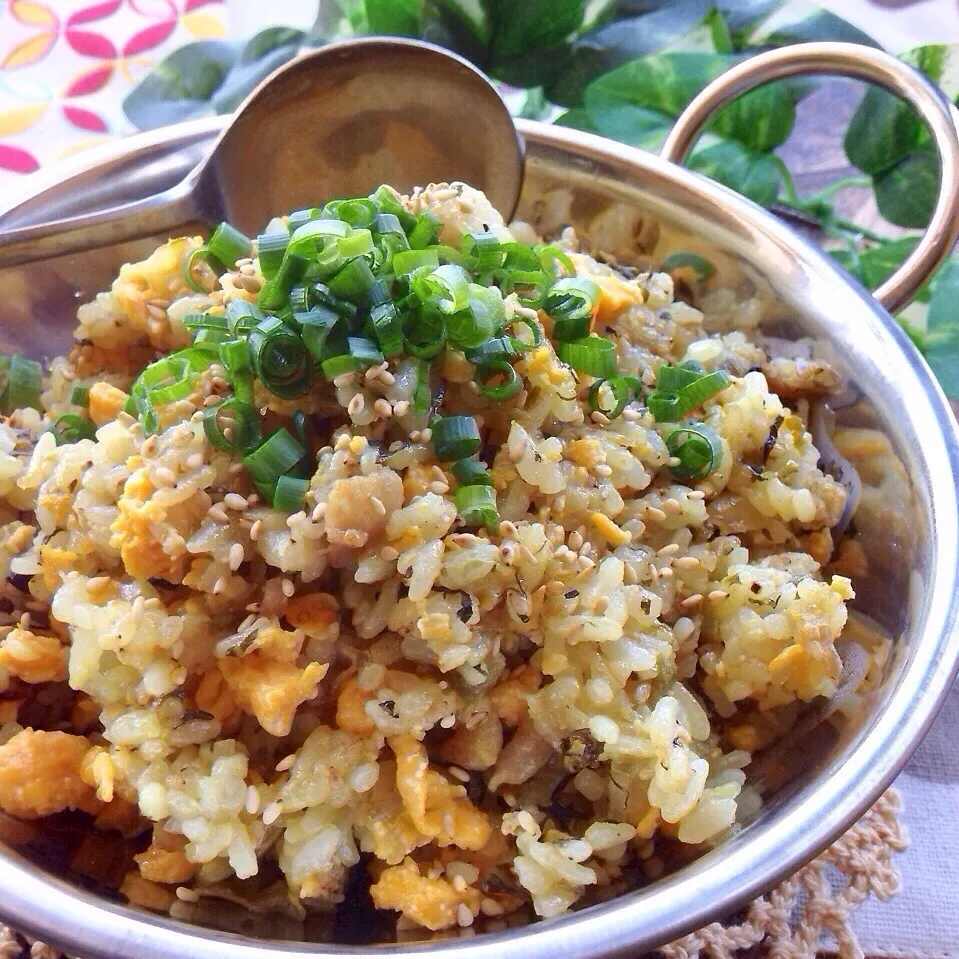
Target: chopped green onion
290,493
235,357
276,455
698,448
670,405
665,405
365,351
497,348
468,330
471,473
356,211
455,437
388,224
388,328
354,281
321,295
204,321
510,386
486,303
71,428
170,379
422,393
387,201
301,429
571,298
270,250
619,389
448,285
406,261
242,316
571,327
241,430
276,291
338,365
530,286
677,377
299,298
314,236
534,328
298,217
700,265
316,326
705,387
280,359
80,395
476,505
209,339
228,244
548,255
425,231
592,355
484,250
358,243
424,334
201,255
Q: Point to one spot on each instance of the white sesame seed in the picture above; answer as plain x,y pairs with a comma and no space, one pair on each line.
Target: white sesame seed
252,804
272,812
461,774
668,549
235,501
164,476
318,512
717,594
426,435
236,556
219,586
286,763
255,530
656,514
288,588
356,405
377,505
692,601
150,446
389,553
194,461
383,408
216,513
187,894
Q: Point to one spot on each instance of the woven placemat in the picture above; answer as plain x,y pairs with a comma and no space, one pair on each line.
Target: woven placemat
807,914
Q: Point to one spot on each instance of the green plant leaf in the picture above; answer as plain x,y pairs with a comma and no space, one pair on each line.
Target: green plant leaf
719,31
755,175
180,86
612,44
819,25
884,129
906,193
261,55
394,17
520,26
874,265
577,119
743,16
942,328
666,82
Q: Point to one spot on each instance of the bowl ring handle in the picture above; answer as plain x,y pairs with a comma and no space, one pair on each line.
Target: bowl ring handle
861,63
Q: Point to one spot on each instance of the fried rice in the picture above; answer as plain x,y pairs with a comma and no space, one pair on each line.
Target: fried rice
475,723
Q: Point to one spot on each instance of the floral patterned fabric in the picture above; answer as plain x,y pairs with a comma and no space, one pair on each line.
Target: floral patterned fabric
66,65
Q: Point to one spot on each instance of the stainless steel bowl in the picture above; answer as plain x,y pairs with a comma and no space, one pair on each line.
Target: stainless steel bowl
909,527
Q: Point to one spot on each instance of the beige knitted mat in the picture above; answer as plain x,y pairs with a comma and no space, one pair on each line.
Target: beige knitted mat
807,914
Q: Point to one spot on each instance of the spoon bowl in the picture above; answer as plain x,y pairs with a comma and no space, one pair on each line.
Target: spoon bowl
337,121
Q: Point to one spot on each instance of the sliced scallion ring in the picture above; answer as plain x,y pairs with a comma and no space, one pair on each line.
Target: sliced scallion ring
455,437
232,426
592,355
511,383
280,359
698,448
476,505
71,428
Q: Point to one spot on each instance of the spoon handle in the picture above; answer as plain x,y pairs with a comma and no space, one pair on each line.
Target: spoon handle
162,213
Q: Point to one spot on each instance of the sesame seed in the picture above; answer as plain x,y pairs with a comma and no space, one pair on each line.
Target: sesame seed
216,513
377,505
150,446
692,601
211,400
461,774
197,417
288,588
459,884
600,418
672,506
318,512
164,476
286,763
252,607
236,556
665,572
389,553
194,461
490,907
252,804
717,594
272,812
656,514
154,602
235,501
25,621
356,405
97,583
696,494
382,407
668,549
426,435
575,540
686,562
439,488
219,586
255,530
401,408
186,894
